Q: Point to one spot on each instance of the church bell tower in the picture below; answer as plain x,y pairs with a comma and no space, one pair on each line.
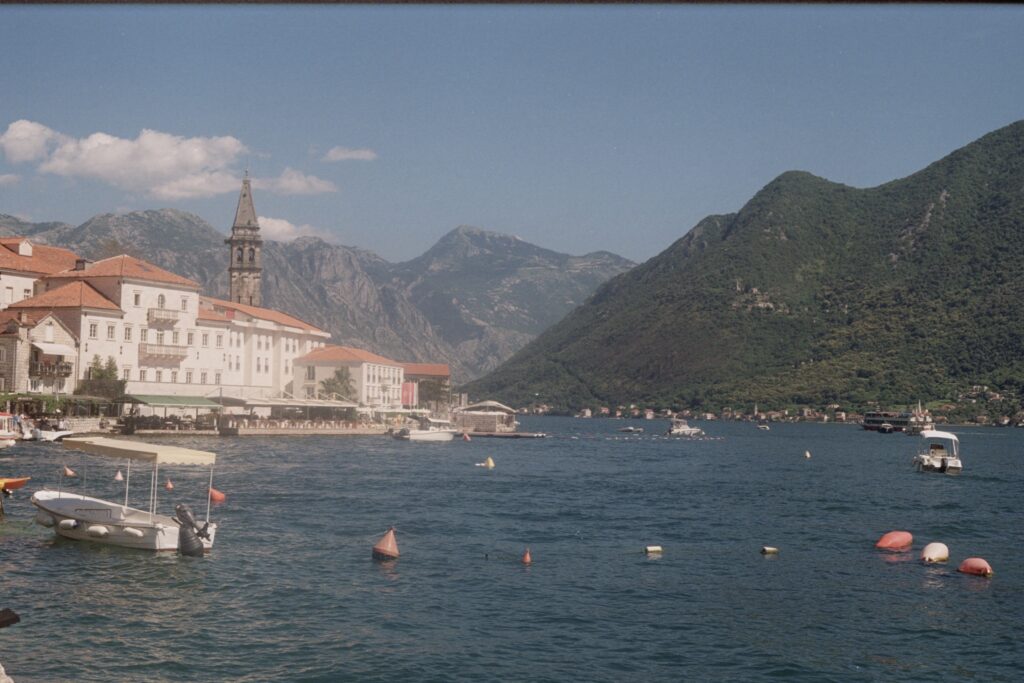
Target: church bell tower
245,244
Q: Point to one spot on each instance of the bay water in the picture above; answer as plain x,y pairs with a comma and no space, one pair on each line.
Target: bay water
290,592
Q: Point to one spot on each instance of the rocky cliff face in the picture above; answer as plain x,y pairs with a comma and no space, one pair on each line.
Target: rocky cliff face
470,301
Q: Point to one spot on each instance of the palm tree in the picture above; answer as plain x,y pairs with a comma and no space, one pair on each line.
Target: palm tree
340,385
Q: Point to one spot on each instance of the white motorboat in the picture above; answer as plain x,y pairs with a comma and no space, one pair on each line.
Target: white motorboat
632,430
680,427
50,434
763,425
940,454
85,518
8,433
429,430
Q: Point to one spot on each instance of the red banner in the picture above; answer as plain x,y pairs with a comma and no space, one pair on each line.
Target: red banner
409,394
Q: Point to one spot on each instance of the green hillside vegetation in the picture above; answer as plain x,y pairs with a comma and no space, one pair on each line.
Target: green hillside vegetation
813,293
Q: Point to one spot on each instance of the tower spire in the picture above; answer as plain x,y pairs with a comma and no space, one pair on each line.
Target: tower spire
245,260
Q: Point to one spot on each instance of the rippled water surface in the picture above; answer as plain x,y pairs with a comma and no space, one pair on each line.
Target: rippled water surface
290,591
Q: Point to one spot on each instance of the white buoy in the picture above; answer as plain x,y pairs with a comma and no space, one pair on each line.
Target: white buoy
132,531
935,552
98,530
652,549
769,550
807,454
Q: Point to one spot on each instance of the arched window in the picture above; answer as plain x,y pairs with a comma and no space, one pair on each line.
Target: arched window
252,255
240,255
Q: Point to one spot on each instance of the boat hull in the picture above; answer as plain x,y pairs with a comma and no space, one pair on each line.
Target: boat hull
83,518
943,465
423,435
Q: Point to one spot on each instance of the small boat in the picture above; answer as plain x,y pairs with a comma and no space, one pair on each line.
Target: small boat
941,454
50,434
8,432
680,427
885,428
8,484
85,518
763,425
429,430
631,430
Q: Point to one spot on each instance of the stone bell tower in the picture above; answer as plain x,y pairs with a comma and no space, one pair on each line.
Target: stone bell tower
246,260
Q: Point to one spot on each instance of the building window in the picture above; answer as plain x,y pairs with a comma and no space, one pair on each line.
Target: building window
33,385
3,384
93,330
220,341
174,376
126,373
311,372
160,337
188,377
3,354
144,334
216,378
202,378
184,304
174,337
110,332
137,298
127,334
252,255
142,374
159,375
9,298
238,362
190,339
160,301
206,339
27,293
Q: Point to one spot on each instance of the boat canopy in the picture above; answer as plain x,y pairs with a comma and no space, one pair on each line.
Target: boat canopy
936,434
136,450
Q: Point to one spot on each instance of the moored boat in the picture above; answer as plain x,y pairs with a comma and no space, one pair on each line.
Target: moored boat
680,427
85,518
429,430
941,453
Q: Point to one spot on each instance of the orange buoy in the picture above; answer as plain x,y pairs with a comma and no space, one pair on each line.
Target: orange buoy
169,485
217,496
976,566
119,476
896,541
527,559
387,546
68,472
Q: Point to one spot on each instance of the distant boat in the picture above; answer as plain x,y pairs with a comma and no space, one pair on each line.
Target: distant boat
429,430
885,428
763,425
680,427
633,430
941,455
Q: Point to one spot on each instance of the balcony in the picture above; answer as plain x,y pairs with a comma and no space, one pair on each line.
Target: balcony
163,316
36,369
163,351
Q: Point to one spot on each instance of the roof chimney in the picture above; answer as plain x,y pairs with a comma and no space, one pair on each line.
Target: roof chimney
82,264
23,317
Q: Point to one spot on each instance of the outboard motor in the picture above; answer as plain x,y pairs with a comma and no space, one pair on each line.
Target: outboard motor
189,535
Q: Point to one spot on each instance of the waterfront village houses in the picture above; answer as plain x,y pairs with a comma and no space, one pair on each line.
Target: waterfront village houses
377,382
59,312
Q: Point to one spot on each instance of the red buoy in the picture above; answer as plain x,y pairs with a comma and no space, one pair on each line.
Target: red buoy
68,472
976,566
169,485
387,547
465,436
896,541
526,557
217,496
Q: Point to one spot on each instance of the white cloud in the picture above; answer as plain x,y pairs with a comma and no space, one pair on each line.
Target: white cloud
157,164
346,154
28,141
9,179
295,182
285,231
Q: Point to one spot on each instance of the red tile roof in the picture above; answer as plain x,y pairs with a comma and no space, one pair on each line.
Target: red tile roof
127,267
427,369
71,295
342,354
256,312
210,314
44,259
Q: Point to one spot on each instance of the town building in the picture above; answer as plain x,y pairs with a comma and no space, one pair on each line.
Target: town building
37,355
375,381
437,396
22,263
245,257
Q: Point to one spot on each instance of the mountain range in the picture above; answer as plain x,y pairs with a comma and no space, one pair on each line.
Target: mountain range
813,293
470,301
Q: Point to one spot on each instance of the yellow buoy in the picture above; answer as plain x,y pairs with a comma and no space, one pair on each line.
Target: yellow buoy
489,463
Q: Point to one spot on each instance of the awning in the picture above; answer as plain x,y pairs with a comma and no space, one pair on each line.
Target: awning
51,349
170,401
136,450
286,402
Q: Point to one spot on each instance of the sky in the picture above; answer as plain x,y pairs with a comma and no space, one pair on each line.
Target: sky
575,128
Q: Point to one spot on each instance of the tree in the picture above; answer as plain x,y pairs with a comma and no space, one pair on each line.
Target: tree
341,384
432,390
102,379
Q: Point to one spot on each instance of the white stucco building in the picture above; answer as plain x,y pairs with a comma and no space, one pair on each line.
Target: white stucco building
376,380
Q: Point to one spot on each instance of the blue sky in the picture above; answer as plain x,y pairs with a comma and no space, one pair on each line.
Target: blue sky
576,128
